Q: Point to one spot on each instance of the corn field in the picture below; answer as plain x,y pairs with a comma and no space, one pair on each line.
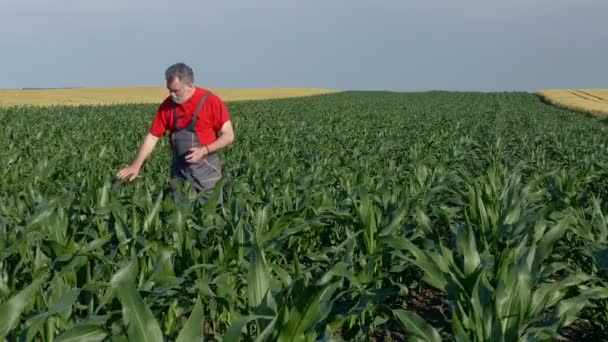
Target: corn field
355,216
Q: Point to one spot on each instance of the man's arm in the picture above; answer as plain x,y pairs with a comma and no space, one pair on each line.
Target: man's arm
146,148
226,138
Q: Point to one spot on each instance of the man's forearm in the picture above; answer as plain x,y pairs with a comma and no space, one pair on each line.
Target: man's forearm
146,148
221,142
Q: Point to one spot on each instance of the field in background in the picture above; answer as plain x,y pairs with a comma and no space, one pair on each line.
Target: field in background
124,95
356,216
587,100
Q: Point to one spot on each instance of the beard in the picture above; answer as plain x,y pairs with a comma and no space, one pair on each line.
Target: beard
177,100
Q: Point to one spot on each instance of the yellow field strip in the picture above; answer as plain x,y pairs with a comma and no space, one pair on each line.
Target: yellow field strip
123,95
594,96
587,96
588,100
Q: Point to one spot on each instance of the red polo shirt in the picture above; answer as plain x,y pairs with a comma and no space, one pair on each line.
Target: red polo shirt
210,120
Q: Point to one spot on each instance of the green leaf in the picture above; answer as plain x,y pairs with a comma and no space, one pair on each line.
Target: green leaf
234,331
549,294
65,302
568,309
418,327
142,326
82,333
213,199
311,307
545,245
427,262
154,212
193,329
258,281
127,273
599,223
468,247
11,311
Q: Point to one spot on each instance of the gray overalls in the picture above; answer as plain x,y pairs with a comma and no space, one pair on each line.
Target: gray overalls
202,174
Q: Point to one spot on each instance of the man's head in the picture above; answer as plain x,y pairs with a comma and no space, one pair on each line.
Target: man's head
180,82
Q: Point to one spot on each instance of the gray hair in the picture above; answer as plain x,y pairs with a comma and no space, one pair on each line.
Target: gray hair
180,70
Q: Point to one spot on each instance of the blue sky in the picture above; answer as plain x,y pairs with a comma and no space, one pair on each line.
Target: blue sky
481,45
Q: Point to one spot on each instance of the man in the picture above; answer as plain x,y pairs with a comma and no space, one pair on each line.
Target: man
199,126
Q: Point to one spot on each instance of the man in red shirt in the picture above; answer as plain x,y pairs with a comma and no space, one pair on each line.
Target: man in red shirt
199,126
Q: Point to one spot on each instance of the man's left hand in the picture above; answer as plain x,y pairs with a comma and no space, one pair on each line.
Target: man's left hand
196,153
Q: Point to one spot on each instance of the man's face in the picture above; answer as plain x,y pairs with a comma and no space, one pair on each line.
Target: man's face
179,91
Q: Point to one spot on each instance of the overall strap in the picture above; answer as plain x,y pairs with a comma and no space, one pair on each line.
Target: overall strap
195,115
197,111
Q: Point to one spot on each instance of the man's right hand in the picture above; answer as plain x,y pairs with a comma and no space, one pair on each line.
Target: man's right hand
129,172
132,171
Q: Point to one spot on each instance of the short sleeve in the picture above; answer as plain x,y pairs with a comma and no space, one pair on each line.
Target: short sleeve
220,114
159,124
